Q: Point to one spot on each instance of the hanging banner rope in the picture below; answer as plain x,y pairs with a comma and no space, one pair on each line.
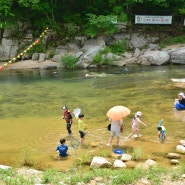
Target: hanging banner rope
25,51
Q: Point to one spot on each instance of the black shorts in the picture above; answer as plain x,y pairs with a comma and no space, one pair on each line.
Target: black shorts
82,134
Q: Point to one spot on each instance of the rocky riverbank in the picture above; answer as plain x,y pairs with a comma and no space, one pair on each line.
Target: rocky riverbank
30,176
173,176
52,64
31,64
141,49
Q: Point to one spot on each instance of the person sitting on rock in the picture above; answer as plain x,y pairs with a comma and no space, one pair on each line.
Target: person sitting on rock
180,104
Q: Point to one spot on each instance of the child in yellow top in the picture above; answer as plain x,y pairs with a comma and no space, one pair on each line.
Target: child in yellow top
81,128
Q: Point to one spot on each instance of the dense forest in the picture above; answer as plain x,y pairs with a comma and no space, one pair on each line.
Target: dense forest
90,16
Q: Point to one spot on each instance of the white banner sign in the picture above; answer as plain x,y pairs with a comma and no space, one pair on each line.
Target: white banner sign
152,19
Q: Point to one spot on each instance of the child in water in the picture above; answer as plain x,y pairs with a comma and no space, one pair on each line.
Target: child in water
161,131
135,123
62,149
81,128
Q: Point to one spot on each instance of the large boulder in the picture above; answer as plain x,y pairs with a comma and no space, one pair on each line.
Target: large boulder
178,56
87,58
42,57
154,58
173,156
180,148
174,161
126,157
119,164
100,162
10,45
9,48
35,56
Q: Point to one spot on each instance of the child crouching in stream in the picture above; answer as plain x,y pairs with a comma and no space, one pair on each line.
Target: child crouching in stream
62,149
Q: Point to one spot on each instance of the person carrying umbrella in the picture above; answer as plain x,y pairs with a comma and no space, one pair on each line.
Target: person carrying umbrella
115,130
116,115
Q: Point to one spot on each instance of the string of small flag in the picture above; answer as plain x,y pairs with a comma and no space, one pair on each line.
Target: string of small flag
25,51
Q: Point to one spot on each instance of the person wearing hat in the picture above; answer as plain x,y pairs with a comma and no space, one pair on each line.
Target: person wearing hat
135,123
180,104
68,118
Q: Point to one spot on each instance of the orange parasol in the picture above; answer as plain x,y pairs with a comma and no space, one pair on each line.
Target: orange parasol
118,112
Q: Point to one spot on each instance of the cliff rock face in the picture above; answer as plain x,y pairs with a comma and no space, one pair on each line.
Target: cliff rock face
14,38
143,49
17,38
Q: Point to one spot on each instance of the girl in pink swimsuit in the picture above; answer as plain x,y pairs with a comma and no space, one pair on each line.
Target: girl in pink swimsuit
135,123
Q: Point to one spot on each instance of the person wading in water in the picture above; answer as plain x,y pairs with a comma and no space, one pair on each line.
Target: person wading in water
68,118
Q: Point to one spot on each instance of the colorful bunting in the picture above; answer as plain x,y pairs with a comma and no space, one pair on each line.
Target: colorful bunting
25,51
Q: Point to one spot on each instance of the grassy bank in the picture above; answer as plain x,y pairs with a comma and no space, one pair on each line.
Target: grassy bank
155,175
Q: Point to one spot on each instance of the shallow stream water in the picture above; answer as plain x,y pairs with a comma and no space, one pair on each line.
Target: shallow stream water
30,112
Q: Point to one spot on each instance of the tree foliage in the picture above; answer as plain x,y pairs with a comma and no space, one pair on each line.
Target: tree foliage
5,8
5,12
85,12
101,24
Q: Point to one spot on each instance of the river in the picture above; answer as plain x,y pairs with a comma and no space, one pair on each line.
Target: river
30,112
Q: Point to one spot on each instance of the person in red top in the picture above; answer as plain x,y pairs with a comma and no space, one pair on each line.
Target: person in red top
68,118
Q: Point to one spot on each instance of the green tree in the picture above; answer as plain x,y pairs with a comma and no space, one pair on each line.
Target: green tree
100,25
42,13
5,11
5,8
41,6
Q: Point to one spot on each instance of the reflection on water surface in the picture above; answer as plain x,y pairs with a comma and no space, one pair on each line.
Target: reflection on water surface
31,102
